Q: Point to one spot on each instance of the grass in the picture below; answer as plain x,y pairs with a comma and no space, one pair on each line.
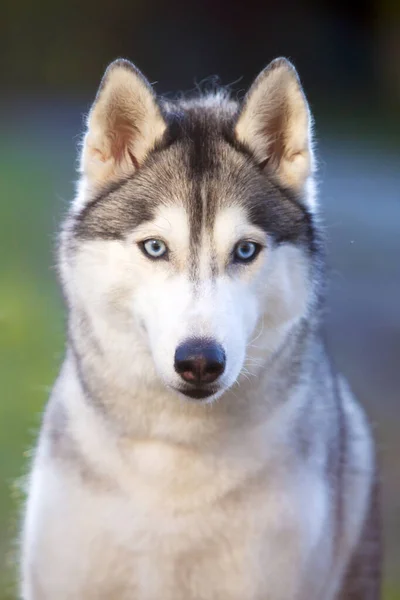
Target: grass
31,324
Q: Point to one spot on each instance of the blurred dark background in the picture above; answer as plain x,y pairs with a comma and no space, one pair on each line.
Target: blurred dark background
52,56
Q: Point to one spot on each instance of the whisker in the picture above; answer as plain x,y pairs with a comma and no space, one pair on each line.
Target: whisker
260,332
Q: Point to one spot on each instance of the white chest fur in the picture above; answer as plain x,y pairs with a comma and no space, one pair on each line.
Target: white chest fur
179,527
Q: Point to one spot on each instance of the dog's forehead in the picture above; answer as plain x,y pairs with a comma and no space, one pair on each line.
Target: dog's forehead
174,221
209,179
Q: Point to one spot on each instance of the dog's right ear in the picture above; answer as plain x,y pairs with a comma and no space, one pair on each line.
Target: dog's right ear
123,125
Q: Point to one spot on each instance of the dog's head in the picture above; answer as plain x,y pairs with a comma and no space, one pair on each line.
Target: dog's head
191,235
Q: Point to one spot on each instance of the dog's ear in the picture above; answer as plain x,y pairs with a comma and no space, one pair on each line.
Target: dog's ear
275,124
123,125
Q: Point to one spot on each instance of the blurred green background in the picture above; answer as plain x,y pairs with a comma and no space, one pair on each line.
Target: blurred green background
52,56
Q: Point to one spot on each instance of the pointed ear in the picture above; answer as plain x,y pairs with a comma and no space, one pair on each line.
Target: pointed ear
123,125
275,123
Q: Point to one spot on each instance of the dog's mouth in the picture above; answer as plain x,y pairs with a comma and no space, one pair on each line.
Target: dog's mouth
197,393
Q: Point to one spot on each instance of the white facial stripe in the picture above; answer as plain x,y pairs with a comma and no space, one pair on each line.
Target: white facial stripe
231,226
171,224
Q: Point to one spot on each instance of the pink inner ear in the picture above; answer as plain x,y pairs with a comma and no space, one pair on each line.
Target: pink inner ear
264,163
121,135
133,159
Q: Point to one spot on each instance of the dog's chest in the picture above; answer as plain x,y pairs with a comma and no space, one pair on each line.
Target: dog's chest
197,556
220,551
197,534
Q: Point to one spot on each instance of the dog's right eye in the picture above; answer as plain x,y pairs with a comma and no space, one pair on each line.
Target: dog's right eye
154,248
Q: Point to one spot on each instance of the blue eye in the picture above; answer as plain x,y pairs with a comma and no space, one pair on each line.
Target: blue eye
154,248
246,251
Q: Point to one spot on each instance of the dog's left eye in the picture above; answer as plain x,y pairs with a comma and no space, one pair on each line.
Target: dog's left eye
154,248
245,251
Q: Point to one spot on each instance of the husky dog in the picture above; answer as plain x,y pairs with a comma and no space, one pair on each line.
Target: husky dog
198,444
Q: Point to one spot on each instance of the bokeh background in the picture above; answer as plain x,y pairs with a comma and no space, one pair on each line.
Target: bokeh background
52,55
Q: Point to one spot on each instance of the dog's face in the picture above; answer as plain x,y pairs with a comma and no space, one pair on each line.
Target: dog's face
182,241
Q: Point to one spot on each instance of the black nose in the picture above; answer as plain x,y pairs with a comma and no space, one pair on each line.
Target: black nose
199,361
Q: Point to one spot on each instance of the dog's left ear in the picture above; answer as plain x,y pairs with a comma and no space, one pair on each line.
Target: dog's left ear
275,124
123,125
